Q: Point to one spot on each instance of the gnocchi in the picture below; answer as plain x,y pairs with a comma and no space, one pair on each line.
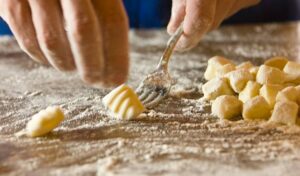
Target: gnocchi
44,122
270,75
238,79
256,108
123,103
227,107
292,68
288,94
269,92
277,62
285,112
251,90
245,65
215,64
216,87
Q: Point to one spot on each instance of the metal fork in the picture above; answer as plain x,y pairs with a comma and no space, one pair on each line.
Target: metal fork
156,86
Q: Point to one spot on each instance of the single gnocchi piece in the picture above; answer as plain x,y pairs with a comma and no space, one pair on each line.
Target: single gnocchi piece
292,68
285,112
216,87
277,62
269,92
288,94
223,70
251,90
44,122
270,75
256,108
214,64
245,65
238,79
123,103
227,107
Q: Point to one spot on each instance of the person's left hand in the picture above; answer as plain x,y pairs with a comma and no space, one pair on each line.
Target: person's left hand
201,16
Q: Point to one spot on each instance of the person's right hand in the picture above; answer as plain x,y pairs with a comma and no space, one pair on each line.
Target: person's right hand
88,35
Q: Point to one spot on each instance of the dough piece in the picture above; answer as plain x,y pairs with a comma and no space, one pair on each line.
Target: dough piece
238,79
287,94
245,65
292,68
44,122
269,92
256,108
270,75
285,112
225,69
251,90
123,103
227,107
214,64
216,87
254,71
277,62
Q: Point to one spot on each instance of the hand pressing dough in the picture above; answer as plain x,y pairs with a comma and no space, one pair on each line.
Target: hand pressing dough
287,94
44,122
270,75
251,90
285,112
238,79
277,62
269,92
215,64
216,87
227,107
123,103
256,108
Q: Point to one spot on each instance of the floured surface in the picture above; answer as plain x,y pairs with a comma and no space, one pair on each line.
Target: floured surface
178,137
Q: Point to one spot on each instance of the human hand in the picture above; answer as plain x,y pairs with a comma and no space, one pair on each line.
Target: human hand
200,17
88,35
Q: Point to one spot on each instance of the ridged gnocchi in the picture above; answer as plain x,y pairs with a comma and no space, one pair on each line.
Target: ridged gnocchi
123,103
44,121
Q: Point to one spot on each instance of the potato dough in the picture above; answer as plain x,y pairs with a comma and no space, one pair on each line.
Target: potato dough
225,69
216,87
44,122
292,68
238,79
285,112
245,65
269,92
123,103
256,108
277,62
214,64
287,94
270,75
251,90
227,107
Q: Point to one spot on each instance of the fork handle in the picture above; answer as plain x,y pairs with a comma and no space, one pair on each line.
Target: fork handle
164,60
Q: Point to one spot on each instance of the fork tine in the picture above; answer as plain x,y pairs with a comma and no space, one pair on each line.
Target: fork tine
154,101
144,94
150,97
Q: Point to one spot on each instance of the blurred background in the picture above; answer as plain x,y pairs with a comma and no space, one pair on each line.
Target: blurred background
156,13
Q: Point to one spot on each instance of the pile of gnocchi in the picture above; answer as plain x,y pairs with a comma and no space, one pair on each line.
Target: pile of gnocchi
267,92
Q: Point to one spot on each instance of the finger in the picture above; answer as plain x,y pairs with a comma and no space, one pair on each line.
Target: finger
48,22
198,20
238,5
177,16
114,24
222,9
18,16
84,34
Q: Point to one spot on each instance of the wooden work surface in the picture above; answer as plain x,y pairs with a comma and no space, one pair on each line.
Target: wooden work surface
179,137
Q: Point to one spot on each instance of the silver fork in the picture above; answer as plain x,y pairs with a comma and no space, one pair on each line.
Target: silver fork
156,86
